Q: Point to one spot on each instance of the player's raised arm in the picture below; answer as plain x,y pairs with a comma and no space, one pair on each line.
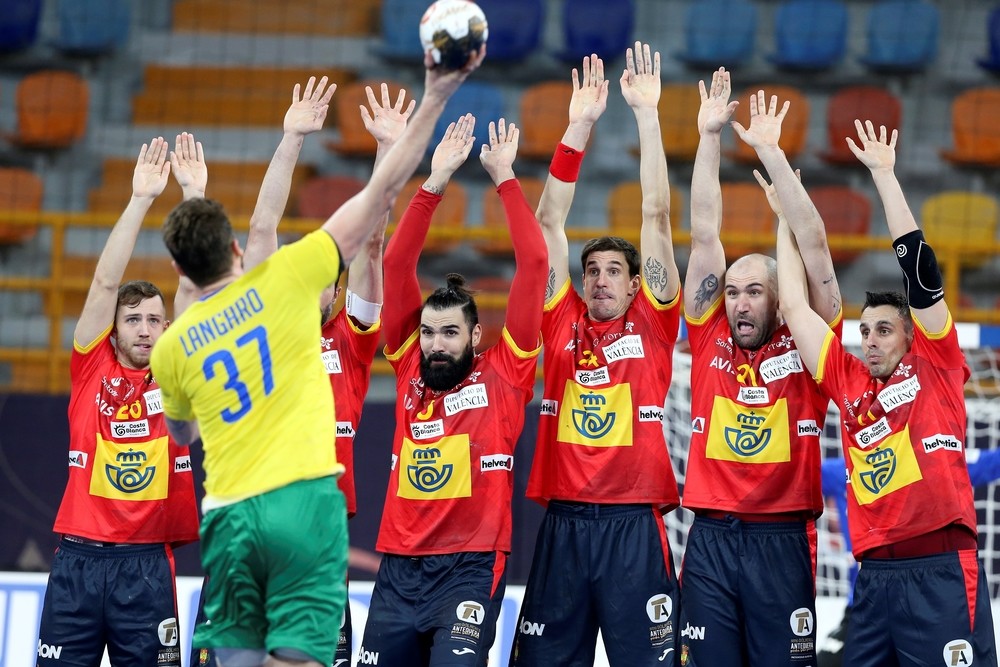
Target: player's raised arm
590,98
640,84
148,180
402,312
188,166
385,122
707,263
355,220
305,116
924,283
524,312
800,213
807,327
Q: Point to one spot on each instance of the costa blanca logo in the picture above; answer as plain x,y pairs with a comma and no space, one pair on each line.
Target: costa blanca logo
77,459
167,631
958,652
424,474
592,421
469,398
883,465
867,437
593,378
130,476
947,442
650,413
182,464
496,462
425,430
808,427
470,612
659,607
801,622
747,438
549,407
134,429
753,396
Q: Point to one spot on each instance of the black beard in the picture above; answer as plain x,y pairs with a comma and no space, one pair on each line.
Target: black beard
447,376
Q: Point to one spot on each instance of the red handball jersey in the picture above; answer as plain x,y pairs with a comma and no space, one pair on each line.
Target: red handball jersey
756,419
904,440
452,473
129,482
600,434
348,353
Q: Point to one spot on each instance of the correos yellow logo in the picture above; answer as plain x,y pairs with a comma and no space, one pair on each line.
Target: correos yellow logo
435,471
131,471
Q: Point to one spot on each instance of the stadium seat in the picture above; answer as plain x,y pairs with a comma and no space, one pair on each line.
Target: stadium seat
495,217
974,131
449,216
543,118
400,35
52,110
678,110
991,63
594,26
809,35
625,209
794,128
515,28
846,213
719,33
92,27
353,139
483,100
902,36
189,96
962,220
492,293
320,196
863,103
20,192
746,218
19,24
330,18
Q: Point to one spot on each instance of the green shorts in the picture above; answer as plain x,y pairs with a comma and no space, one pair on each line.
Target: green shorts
276,567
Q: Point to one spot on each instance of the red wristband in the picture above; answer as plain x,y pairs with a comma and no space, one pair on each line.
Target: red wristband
565,163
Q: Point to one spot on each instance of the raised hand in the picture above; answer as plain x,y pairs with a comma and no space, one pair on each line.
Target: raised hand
765,122
498,156
440,83
386,121
151,169
640,81
875,152
454,147
771,192
306,114
189,168
590,98
716,109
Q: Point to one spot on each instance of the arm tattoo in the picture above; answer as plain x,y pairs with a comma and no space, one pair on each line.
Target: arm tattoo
434,189
656,275
550,286
706,291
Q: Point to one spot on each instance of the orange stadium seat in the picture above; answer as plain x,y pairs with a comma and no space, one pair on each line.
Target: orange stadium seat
543,118
20,191
625,208
495,218
52,110
354,140
319,197
794,128
845,213
974,130
329,18
678,109
863,103
491,296
963,220
449,216
747,215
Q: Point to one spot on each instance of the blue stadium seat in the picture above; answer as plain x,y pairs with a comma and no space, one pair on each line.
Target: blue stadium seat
19,24
92,27
719,33
515,27
902,36
991,63
482,100
401,30
809,35
596,26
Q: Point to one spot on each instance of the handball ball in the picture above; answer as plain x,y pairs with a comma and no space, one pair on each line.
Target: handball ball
453,30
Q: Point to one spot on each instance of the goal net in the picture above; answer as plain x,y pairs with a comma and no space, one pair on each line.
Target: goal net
834,560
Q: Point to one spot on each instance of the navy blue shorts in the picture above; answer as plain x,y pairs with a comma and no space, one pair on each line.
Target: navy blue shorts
122,597
933,610
605,567
748,594
439,610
